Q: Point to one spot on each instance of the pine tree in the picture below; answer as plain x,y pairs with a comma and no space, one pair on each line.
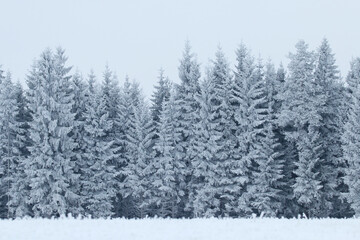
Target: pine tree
50,167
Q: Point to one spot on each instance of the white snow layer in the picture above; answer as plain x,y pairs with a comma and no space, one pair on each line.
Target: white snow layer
182,229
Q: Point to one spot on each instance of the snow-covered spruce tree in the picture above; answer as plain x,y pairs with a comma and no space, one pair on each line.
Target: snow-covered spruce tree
247,101
330,93
166,192
78,88
187,91
138,169
19,189
213,141
10,141
300,116
98,175
111,93
202,199
287,149
264,188
351,138
129,100
161,94
3,191
50,166
223,80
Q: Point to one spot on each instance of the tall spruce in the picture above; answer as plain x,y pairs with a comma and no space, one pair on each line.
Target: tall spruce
19,190
189,88
302,119
289,206
50,167
213,141
138,170
329,92
351,138
98,175
264,189
11,143
161,94
247,101
166,192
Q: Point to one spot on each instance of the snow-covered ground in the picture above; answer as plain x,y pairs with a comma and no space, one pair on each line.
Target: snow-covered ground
170,229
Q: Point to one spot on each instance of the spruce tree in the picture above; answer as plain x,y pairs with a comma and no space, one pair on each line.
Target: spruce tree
138,170
98,174
330,93
125,206
50,167
10,144
287,149
161,94
187,91
213,141
264,189
351,140
301,118
247,103
19,189
78,88
166,192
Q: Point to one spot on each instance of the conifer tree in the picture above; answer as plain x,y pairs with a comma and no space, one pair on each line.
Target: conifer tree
166,192
246,93
10,144
213,141
187,91
78,88
161,94
301,118
50,167
125,206
350,138
287,148
265,193
330,94
138,169
19,189
98,175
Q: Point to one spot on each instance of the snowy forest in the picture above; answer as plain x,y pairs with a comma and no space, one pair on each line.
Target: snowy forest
247,140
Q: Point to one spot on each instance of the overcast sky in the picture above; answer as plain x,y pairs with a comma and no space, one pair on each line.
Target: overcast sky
139,37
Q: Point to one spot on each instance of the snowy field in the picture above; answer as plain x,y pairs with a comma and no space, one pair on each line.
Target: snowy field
168,229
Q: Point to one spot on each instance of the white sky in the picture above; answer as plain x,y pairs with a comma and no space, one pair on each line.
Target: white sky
138,37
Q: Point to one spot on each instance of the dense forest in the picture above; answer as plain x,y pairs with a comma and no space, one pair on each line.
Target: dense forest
237,141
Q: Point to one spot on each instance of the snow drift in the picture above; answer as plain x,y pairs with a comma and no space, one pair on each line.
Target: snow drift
106,229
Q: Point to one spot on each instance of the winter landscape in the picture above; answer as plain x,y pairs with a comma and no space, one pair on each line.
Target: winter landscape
239,145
